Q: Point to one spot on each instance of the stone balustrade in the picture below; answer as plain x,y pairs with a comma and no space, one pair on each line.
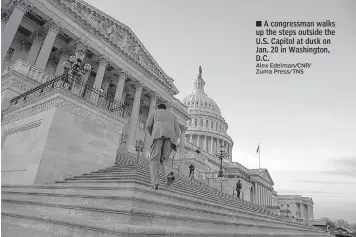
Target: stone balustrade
23,68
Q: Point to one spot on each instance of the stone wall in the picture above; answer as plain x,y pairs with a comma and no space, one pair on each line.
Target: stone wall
56,137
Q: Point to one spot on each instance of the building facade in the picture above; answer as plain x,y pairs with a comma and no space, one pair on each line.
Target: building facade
296,206
37,38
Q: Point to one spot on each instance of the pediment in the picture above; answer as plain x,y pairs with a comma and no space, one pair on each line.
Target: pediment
118,35
262,173
266,176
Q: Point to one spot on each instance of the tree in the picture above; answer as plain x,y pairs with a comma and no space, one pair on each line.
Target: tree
343,223
353,227
328,222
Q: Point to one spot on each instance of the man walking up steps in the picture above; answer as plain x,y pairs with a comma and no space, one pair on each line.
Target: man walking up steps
163,126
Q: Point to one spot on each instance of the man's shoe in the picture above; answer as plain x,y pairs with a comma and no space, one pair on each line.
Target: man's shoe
155,187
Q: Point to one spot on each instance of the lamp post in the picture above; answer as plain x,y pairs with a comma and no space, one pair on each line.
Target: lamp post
221,155
74,68
139,148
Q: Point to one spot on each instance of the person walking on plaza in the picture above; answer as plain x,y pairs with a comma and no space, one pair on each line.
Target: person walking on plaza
163,126
238,188
191,170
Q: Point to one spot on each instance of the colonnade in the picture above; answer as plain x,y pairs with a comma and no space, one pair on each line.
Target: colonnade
41,49
210,144
262,195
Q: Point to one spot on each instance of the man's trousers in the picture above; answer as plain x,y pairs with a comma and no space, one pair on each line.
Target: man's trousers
157,151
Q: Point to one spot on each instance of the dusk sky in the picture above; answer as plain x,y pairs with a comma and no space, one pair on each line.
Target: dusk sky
306,124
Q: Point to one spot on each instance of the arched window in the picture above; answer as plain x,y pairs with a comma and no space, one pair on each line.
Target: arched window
195,122
207,123
201,122
212,124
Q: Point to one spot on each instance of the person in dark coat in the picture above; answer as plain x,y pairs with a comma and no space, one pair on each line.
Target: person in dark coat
238,188
191,170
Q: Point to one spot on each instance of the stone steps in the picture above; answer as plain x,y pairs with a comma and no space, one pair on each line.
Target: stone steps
118,201
108,210
108,176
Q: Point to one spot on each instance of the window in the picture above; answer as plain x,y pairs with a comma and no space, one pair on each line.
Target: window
201,122
216,126
195,122
206,103
212,124
190,122
220,128
207,123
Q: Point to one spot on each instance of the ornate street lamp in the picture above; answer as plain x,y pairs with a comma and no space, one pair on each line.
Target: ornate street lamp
73,66
221,155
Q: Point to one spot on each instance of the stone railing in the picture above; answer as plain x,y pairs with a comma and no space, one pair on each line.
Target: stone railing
75,86
27,70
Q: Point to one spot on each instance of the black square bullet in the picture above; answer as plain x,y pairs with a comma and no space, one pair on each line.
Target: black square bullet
258,23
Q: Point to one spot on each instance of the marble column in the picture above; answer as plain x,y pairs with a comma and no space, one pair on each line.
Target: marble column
255,199
103,63
302,211
311,212
182,138
64,56
46,49
198,141
190,138
38,38
211,145
131,143
10,29
205,144
148,139
120,86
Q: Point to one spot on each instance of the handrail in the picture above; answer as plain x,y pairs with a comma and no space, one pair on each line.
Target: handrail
76,86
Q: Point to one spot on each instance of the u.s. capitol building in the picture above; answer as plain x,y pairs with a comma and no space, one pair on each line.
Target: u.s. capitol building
58,125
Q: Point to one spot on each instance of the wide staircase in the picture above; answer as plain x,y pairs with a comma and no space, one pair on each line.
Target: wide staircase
119,201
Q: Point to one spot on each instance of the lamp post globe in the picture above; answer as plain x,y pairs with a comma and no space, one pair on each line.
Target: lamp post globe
74,66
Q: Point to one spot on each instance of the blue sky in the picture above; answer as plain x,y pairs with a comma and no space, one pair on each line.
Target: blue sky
306,124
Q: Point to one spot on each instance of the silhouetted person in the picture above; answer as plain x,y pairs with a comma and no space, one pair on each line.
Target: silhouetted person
163,126
191,170
238,188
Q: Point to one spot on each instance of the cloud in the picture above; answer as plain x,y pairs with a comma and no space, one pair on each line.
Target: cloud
345,166
324,182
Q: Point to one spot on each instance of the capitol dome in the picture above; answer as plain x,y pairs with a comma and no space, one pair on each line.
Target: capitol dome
207,128
199,99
